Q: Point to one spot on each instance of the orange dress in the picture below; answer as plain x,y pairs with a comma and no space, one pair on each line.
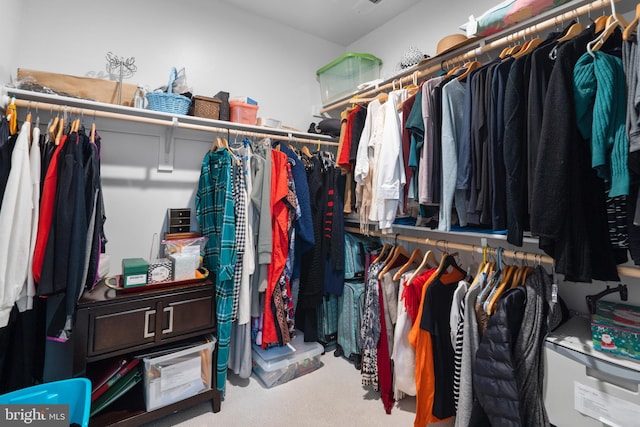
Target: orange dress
421,342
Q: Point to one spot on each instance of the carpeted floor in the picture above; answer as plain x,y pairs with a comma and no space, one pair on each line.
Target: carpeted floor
329,396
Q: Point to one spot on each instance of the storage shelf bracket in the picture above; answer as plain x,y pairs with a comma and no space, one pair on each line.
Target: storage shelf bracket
166,156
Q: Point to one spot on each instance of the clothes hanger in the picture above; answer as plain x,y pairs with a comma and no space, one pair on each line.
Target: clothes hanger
630,29
428,260
449,260
600,23
305,150
59,131
493,277
469,67
389,254
415,256
572,32
399,252
92,133
613,21
529,47
384,251
492,301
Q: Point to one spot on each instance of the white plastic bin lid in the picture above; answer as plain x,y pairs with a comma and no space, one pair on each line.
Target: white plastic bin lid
277,358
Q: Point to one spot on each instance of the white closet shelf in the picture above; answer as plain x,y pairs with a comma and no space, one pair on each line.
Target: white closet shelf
547,21
26,99
576,335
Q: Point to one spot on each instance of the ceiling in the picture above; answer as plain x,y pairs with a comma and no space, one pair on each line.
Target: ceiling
339,21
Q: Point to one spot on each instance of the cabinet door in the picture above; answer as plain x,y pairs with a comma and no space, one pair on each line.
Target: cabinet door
122,326
187,313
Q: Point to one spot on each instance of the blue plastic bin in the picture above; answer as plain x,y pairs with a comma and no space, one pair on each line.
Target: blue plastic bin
76,392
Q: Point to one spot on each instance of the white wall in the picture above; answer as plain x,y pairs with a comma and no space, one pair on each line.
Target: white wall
422,27
221,47
11,18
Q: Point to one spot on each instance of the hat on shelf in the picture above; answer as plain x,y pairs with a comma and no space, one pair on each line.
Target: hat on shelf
452,42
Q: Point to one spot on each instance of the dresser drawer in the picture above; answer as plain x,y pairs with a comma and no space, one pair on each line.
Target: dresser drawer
179,213
187,315
179,221
122,326
179,228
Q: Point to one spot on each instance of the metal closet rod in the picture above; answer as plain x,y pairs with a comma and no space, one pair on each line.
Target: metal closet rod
474,53
160,122
623,270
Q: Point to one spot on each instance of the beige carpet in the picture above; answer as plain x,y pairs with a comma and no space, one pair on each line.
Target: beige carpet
329,396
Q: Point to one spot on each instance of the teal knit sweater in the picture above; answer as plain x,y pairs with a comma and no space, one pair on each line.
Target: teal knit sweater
600,94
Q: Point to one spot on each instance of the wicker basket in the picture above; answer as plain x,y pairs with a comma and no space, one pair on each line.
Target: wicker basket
169,102
206,107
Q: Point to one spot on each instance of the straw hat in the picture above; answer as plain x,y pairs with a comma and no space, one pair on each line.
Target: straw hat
451,42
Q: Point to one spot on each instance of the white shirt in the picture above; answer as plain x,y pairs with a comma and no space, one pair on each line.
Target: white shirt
15,226
25,300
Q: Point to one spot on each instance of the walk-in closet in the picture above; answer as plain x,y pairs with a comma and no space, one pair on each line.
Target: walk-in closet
363,213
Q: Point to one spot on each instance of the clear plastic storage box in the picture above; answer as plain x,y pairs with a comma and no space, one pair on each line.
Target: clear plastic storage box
342,76
179,375
279,365
241,112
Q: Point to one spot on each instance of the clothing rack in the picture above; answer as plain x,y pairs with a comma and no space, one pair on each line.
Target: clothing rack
429,67
46,102
444,245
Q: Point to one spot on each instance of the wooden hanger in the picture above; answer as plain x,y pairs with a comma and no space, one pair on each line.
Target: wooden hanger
529,47
415,256
600,23
53,128
92,134
28,119
305,150
384,252
428,260
400,251
573,31
505,283
515,49
59,131
453,71
627,34
389,254
469,67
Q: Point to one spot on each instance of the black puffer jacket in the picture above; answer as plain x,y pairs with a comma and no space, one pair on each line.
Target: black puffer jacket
494,372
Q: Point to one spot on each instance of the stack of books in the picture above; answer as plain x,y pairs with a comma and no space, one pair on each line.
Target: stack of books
117,379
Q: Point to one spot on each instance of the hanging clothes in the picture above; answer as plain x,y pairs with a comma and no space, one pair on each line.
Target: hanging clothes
279,224
215,214
568,197
64,260
15,226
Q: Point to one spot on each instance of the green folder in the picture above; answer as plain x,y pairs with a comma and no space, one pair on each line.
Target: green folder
121,386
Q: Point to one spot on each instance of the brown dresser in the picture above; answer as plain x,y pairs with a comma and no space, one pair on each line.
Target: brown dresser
110,324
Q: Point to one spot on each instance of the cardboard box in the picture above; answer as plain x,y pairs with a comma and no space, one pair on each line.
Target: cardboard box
615,328
80,87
